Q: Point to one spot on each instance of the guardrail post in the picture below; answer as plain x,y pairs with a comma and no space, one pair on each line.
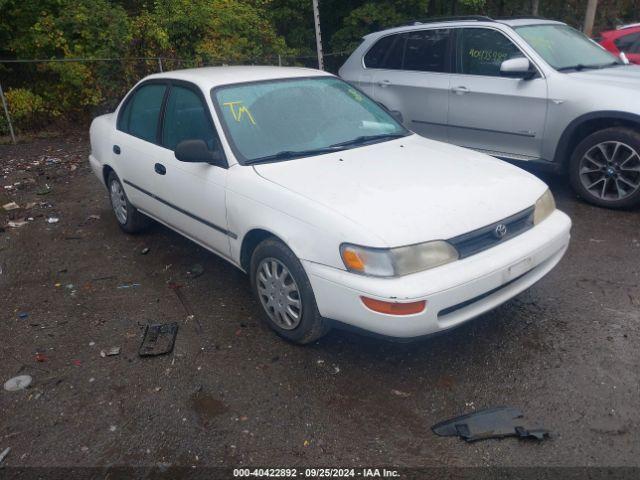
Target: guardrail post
6,112
160,64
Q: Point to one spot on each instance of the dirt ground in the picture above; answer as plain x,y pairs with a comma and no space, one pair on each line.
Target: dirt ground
567,352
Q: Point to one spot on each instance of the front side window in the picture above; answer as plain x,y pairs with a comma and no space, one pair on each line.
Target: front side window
628,43
186,118
141,113
564,48
426,51
481,51
293,118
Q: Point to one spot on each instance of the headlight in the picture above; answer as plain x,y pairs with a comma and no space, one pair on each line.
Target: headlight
545,206
395,262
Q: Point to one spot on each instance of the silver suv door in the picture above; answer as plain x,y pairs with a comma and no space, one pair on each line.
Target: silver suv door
501,116
410,73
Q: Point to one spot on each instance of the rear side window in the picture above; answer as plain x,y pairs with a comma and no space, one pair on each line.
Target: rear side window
186,118
481,51
142,111
386,53
426,51
628,43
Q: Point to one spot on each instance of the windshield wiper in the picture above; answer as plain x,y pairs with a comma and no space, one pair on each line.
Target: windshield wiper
368,138
290,154
581,66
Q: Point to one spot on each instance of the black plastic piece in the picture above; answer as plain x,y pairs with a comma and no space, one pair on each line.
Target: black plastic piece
158,339
496,422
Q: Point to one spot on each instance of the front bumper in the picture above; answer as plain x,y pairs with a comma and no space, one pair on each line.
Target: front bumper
455,293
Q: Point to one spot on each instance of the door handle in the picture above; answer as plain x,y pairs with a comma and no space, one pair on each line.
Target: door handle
384,83
160,169
461,90
116,149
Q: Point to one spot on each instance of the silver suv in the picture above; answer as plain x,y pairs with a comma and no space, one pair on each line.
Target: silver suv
521,89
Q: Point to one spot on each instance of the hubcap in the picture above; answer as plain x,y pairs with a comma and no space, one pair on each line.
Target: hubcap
610,170
279,293
118,201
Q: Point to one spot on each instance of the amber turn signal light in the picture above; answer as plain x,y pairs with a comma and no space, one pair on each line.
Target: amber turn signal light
394,308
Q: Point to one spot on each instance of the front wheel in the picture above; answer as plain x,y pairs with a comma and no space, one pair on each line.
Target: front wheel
605,168
282,288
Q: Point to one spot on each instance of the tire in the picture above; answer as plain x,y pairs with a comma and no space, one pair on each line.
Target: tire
275,293
128,217
605,168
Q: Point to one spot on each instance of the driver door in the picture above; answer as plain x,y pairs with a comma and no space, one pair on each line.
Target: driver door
196,192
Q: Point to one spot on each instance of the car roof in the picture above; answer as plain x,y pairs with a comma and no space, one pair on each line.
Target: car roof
511,22
210,77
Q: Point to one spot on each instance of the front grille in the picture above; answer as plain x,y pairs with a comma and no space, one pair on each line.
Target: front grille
483,238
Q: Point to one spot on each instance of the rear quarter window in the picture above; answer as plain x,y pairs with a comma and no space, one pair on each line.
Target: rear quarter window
386,53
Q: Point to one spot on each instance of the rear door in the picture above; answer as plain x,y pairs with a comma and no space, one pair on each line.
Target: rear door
411,74
501,116
135,146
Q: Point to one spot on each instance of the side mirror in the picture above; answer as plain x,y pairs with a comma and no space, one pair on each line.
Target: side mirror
196,151
517,68
623,57
397,114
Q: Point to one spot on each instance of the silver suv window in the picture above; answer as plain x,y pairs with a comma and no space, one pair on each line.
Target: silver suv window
421,50
481,51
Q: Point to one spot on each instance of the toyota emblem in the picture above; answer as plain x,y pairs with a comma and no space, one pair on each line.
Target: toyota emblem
500,231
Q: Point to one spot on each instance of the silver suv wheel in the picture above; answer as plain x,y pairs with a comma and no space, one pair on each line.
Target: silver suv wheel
610,170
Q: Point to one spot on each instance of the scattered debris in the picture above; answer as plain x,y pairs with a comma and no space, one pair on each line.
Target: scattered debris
128,285
496,422
17,223
41,357
44,191
18,383
11,206
110,352
145,250
23,315
158,339
195,271
4,454
93,217
400,393
53,220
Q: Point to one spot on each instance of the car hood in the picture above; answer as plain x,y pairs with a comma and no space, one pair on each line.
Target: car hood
410,190
626,76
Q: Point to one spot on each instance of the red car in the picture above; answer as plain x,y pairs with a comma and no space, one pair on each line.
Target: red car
624,39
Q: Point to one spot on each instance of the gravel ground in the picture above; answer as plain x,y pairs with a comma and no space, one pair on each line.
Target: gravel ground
232,393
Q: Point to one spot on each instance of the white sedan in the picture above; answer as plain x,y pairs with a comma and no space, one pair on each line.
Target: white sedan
336,211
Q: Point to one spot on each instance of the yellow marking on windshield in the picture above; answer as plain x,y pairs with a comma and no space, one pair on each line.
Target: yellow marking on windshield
354,93
238,111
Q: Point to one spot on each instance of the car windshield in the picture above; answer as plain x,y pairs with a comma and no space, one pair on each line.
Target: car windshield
292,118
564,48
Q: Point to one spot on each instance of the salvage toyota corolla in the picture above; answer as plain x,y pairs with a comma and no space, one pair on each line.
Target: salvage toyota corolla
336,211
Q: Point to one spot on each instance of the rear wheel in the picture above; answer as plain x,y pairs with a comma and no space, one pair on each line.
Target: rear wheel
129,218
282,288
605,168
